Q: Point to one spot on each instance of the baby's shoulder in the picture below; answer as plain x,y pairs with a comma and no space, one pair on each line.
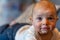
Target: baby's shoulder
57,33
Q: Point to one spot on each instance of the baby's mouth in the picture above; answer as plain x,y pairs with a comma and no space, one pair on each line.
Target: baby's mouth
44,28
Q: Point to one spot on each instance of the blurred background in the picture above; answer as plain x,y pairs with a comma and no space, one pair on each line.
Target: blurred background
11,9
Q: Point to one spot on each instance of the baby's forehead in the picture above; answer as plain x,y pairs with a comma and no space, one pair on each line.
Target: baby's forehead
44,4
44,12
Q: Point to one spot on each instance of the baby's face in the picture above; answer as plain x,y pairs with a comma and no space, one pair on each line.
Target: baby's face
44,20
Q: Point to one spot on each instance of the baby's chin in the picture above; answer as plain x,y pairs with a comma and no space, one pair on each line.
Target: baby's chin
43,32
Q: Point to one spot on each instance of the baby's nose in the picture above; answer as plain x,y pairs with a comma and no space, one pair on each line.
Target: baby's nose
44,21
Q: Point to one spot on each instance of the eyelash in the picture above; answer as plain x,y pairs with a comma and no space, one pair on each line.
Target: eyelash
39,18
49,18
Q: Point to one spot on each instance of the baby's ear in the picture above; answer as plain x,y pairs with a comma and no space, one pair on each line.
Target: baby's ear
30,18
57,18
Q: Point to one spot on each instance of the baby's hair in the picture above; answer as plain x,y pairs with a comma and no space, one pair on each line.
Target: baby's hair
57,11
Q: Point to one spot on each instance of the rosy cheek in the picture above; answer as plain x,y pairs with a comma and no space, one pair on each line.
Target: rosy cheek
37,27
52,26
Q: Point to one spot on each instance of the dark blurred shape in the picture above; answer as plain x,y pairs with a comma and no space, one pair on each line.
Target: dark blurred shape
8,32
3,28
58,11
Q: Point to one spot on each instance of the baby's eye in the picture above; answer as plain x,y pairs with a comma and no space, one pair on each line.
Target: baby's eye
50,18
39,18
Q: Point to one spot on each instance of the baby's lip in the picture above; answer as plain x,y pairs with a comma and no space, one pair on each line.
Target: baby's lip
44,27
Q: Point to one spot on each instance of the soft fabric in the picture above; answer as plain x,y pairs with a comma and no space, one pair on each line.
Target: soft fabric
28,33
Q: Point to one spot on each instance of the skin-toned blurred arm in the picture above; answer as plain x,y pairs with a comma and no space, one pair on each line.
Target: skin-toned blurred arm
24,17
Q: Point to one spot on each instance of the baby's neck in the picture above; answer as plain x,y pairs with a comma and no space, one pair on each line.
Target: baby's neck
47,36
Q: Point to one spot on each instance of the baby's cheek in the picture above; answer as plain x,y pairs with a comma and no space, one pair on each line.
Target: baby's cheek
52,26
37,27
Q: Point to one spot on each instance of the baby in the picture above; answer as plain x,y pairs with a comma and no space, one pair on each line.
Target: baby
44,18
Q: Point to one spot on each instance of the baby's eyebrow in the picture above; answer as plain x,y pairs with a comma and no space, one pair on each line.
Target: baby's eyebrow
51,15
39,15
45,15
